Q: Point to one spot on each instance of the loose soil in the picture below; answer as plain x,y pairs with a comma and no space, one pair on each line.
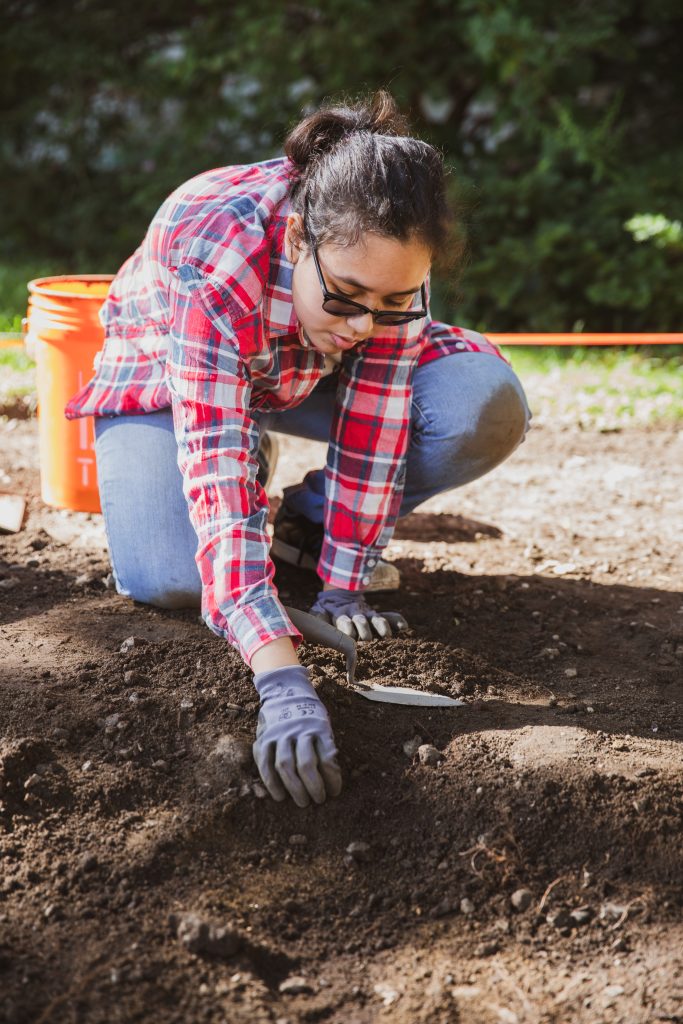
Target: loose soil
547,595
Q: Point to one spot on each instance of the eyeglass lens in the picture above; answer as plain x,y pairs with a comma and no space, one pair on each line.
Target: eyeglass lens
338,308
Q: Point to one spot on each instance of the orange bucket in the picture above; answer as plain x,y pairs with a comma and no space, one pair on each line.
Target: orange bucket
63,334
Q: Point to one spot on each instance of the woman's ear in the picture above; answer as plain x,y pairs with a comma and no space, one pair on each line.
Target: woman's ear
294,237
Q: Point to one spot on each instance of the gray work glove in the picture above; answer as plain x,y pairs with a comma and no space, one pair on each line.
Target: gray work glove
294,748
350,613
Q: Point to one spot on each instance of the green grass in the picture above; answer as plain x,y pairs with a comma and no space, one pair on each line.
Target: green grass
606,388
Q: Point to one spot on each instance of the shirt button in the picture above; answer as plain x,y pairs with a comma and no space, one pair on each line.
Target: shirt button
460,344
372,561
365,580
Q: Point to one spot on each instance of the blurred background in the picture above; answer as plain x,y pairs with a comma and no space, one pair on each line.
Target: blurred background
560,125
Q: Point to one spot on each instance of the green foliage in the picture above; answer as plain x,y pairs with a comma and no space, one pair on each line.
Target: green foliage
556,121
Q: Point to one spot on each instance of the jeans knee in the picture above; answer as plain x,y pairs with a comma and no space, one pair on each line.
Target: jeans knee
501,425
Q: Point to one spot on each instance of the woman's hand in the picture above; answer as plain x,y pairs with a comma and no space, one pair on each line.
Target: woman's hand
294,748
350,613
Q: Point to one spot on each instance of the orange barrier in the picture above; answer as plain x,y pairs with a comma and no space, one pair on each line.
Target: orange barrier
63,336
585,339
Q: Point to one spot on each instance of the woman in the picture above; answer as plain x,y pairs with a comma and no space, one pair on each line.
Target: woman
289,295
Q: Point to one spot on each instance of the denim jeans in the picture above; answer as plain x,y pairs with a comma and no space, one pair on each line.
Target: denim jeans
469,413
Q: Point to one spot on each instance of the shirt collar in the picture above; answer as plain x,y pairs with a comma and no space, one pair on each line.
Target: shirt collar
279,317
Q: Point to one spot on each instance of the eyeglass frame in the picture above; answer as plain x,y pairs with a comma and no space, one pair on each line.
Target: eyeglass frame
397,316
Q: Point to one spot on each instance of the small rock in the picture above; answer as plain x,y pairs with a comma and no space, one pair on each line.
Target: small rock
429,755
559,918
570,673
295,985
234,751
487,948
581,916
130,642
613,911
360,851
550,652
87,766
521,899
386,993
133,678
466,906
86,579
259,791
109,582
443,908
9,584
160,765
612,991
298,840
204,937
110,723
411,747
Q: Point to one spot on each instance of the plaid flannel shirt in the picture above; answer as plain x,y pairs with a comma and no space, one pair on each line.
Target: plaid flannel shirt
200,318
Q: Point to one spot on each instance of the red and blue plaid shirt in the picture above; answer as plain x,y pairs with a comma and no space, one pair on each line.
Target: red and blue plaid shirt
200,318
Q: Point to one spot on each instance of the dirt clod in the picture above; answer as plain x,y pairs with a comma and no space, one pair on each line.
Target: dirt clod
205,938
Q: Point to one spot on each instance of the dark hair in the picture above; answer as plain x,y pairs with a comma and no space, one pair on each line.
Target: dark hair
356,170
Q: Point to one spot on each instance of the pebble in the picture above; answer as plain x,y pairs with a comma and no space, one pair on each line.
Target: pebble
234,751
581,916
259,791
386,993
411,747
612,991
559,918
86,578
110,723
160,765
130,642
466,906
429,755
521,899
298,840
360,851
88,862
550,652
133,678
295,985
570,673
443,908
199,936
86,766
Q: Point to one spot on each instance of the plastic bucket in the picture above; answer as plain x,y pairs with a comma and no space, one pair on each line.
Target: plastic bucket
63,335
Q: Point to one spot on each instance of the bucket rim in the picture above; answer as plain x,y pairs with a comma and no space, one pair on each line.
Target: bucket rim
36,285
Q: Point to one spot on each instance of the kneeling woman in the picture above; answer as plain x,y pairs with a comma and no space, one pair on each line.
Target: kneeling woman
290,295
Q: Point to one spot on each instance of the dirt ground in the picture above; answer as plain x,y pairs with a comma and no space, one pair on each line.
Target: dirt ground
533,875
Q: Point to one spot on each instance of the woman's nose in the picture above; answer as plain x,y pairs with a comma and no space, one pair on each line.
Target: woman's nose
361,325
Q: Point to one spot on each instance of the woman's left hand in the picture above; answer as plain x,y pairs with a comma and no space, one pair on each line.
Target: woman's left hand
349,612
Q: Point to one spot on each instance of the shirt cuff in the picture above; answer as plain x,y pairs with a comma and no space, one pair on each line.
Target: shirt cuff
259,623
349,568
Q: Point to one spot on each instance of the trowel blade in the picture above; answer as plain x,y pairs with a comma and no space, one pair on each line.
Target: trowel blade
406,695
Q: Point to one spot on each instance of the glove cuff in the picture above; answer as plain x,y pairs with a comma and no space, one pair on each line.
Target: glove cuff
272,682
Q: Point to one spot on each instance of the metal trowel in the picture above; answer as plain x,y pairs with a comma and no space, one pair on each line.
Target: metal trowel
316,631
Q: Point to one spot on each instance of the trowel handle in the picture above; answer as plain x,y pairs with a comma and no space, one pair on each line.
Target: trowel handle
317,631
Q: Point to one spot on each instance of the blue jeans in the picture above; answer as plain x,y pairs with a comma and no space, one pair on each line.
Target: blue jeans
469,413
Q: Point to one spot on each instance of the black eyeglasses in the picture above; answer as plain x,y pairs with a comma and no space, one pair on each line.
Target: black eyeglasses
339,305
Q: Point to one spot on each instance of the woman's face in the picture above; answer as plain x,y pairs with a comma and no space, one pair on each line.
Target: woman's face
379,272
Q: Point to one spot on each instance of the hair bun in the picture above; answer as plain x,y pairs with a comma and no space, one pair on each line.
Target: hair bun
321,131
